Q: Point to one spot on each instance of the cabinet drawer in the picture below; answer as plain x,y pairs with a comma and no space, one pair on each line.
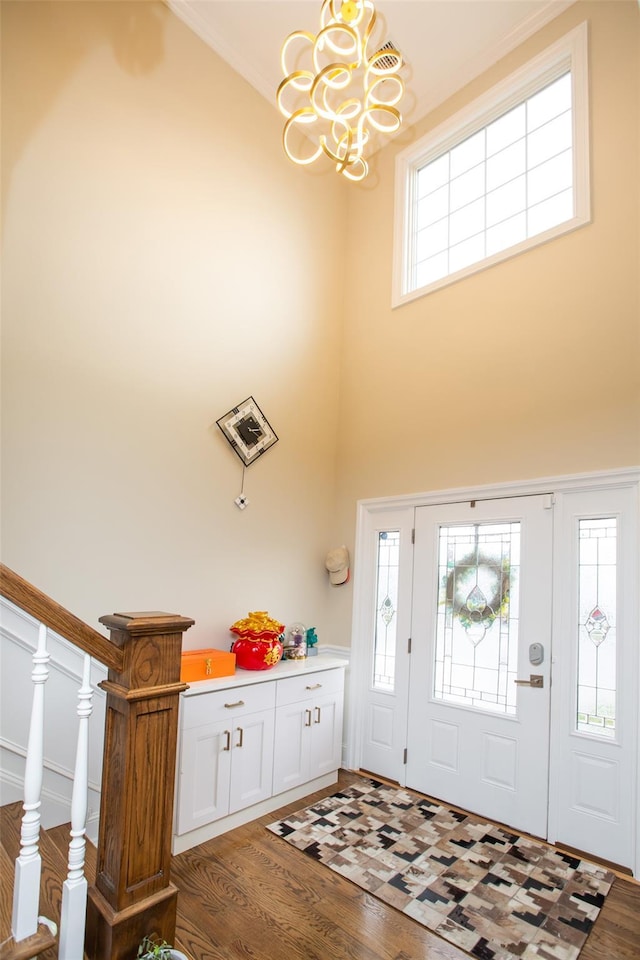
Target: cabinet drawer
219,704
309,685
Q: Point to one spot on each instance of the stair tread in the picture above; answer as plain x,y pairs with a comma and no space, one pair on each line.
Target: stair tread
42,944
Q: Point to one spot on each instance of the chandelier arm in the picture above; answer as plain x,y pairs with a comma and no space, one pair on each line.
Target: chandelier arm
389,83
294,119
390,127
324,37
291,81
350,175
368,29
297,34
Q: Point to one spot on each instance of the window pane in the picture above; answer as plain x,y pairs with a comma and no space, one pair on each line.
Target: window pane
466,253
549,103
549,140
467,187
386,610
433,269
597,661
433,175
504,166
507,234
467,154
433,207
466,222
547,214
506,201
550,178
476,646
506,130
433,239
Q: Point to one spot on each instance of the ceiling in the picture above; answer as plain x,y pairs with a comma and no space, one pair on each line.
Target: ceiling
445,43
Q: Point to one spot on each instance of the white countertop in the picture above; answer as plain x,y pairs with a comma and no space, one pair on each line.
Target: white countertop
285,668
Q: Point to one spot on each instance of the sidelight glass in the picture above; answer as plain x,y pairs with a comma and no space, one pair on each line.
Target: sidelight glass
597,660
476,649
388,565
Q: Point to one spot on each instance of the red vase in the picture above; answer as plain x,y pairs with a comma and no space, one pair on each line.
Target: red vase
253,654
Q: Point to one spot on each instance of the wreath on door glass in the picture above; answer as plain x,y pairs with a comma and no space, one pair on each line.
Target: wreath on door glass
477,590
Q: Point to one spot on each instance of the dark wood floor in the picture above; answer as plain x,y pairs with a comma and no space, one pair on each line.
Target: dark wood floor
247,895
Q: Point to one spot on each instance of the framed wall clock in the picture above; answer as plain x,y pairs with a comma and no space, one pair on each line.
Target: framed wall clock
248,431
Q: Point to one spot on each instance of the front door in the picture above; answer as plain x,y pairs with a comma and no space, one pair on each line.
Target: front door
479,688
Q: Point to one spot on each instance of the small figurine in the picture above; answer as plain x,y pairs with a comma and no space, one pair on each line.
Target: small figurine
295,644
312,639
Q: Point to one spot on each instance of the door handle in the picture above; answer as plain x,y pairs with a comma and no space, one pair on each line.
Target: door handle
241,737
227,745
535,680
317,712
307,721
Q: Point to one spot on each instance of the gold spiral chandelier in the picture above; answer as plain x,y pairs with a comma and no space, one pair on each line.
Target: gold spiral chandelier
336,91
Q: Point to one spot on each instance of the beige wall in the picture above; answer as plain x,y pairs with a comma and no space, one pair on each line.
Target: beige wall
528,369
162,261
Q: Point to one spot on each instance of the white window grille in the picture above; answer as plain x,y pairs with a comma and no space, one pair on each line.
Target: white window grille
505,174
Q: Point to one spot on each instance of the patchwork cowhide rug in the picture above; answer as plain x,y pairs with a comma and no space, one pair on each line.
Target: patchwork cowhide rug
491,892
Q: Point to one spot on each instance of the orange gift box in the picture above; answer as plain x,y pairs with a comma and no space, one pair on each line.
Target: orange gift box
206,665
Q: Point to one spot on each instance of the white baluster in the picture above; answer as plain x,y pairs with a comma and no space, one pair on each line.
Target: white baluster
74,889
26,891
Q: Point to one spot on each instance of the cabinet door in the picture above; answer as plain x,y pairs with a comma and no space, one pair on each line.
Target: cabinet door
291,759
326,735
205,767
251,759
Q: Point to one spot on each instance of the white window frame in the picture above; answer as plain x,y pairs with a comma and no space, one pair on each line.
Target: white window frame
570,52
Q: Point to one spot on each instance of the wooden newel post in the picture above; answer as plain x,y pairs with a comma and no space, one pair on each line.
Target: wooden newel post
133,894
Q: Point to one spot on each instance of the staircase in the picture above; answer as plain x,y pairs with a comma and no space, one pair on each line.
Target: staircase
96,904
54,850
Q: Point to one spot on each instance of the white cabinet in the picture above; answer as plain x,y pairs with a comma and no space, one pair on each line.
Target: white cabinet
253,742
308,728
226,754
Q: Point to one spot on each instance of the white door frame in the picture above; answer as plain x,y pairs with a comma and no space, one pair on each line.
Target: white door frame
370,512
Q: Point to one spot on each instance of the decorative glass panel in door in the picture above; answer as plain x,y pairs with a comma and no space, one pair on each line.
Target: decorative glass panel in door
476,646
597,626
388,562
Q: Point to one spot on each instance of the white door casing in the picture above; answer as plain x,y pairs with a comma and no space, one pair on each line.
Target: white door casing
617,838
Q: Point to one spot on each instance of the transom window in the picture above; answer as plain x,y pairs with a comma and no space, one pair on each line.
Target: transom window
509,172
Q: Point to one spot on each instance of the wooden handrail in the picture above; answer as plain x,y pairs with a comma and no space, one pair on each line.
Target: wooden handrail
47,611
